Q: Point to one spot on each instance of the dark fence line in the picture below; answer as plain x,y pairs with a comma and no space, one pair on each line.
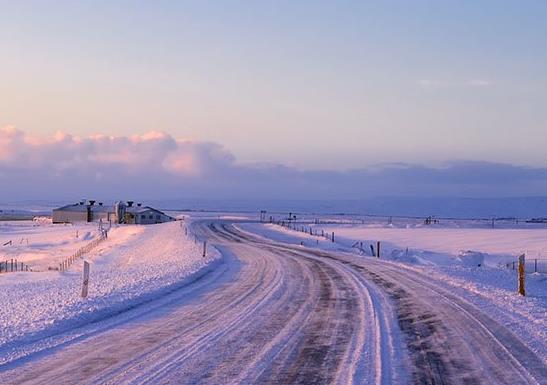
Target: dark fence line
343,219
531,265
307,230
12,266
66,263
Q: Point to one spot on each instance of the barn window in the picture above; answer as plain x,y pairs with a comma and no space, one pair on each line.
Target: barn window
158,217
143,216
151,217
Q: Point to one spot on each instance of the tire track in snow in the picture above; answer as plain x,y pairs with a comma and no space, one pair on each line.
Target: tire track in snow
449,340
298,315
288,318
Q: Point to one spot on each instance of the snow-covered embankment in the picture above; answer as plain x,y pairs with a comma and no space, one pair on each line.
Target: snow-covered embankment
135,264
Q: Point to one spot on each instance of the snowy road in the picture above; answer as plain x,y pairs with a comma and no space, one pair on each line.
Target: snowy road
280,314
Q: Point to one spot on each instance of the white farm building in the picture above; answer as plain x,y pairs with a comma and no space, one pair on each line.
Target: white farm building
120,212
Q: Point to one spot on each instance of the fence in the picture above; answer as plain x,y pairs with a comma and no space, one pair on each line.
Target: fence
307,230
66,263
362,219
12,266
532,265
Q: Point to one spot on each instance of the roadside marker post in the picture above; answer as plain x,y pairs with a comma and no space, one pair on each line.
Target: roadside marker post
85,283
521,289
378,249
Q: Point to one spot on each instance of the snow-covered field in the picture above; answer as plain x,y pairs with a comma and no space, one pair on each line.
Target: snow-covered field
501,245
133,264
450,255
41,244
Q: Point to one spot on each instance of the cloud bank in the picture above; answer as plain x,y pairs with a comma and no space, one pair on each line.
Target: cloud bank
157,166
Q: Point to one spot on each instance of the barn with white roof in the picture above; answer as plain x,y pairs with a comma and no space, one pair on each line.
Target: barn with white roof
120,212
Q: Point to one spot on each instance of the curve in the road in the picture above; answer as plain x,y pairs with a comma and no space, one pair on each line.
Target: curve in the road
295,315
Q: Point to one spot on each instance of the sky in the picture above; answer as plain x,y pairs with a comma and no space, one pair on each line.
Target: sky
238,97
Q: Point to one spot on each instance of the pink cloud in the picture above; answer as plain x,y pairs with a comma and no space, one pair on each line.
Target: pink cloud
156,151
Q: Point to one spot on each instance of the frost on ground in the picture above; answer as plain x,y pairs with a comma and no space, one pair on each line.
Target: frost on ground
445,255
134,264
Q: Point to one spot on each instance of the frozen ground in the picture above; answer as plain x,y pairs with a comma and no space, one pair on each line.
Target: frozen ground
444,255
135,263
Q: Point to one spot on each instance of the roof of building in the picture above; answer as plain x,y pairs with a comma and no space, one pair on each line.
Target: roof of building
76,207
142,209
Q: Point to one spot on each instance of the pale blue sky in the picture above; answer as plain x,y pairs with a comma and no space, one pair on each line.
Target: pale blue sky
317,85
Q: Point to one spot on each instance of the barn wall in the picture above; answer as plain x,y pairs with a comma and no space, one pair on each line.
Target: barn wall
100,215
67,216
156,218
60,216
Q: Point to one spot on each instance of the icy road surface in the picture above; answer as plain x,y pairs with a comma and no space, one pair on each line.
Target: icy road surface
280,314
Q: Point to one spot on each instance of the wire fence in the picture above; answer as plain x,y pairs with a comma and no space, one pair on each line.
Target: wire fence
12,266
67,262
531,265
404,221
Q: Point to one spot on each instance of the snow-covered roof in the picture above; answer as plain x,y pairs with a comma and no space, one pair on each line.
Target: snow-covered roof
76,207
142,209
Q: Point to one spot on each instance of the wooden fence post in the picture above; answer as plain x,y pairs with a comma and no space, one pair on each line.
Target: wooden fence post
204,248
333,236
85,282
378,249
521,289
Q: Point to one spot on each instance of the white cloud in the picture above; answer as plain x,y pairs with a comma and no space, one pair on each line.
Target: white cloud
61,152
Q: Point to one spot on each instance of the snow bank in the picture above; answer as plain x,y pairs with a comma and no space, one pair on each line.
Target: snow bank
135,264
470,258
